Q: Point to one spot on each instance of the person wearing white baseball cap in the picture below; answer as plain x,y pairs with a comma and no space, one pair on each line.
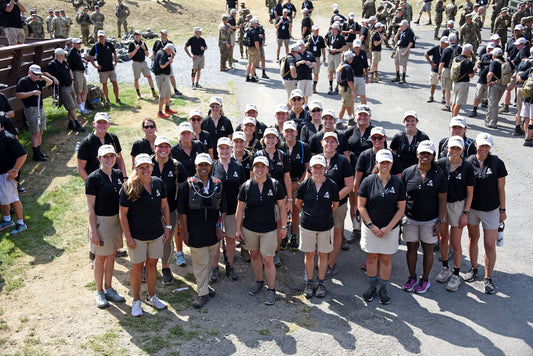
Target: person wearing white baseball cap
346,82
335,45
160,44
311,127
304,71
198,47
435,53
260,127
378,38
488,207
457,128
317,46
281,114
298,112
216,123
461,85
405,39
231,174
105,54
461,182
137,52
145,221
485,60
147,143
427,187
381,203
404,143
187,149
241,154
253,143
317,197
496,88
195,119
201,208
283,27
328,125
258,199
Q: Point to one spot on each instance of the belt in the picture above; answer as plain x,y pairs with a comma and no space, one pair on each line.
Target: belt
335,54
359,76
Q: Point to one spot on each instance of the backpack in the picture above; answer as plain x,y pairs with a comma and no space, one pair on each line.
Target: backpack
247,184
247,39
95,98
455,52
506,72
283,70
455,72
527,88
338,74
368,39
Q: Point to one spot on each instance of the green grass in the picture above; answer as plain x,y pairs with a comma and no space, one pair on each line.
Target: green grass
155,344
264,332
145,324
91,286
179,332
105,344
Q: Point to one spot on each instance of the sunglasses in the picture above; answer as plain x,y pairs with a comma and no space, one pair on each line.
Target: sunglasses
316,110
379,138
296,99
149,126
214,106
196,119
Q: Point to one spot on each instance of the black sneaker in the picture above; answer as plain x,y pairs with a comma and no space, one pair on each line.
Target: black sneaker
384,296
528,142
177,92
20,189
214,274
518,131
248,79
71,125
79,128
121,252
370,293
256,288
471,275
473,114
283,244
167,276
254,80
293,244
199,86
489,287
264,76
230,272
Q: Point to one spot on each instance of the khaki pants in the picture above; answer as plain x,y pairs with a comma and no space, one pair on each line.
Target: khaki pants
201,266
495,94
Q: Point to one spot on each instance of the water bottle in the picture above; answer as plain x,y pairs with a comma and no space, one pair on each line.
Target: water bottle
78,146
499,241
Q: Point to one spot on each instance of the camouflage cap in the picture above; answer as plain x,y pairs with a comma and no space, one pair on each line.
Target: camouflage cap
504,9
33,11
50,10
469,16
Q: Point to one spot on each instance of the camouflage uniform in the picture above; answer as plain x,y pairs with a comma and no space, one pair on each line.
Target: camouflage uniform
497,7
395,25
241,24
439,9
224,34
85,22
59,27
408,10
500,27
68,21
97,19
369,9
37,27
451,11
49,25
478,20
122,12
470,33
517,18
243,12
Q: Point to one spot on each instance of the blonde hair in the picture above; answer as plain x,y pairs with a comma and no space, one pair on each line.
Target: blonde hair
133,186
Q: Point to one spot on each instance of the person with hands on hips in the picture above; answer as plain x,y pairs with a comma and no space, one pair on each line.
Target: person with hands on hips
143,203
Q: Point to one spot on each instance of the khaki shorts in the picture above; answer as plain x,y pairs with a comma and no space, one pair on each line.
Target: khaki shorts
376,57
110,233
399,59
283,42
415,231
146,249
289,86
316,69
306,86
526,110
68,97
519,100
253,56
230,225
198,62
426,7
333,61
339,215
80,82
359,86
35,121
14,35
433,78
460,93
163,85
346,95
311,241
453,212
445,81
386,245
265,242
104,76
232,39
140,68
262,52
8,190
489,219
481,91
168,247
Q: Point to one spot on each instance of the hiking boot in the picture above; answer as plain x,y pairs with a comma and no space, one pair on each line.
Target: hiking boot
254,80
79,128
283,244
113,296
410,284
396,80
180,259
20,228
518,131
384,296
200,301
230,272
6,224
136,308
503,109
293,243
528,142
402,81
248,79
143,277
308,290
277,261
321,291
331,271
71,125
99,298
224,69
444,274
214,274
245,254
168,278
371,291
446,108
155,302
454,283
430,100
489,287
422,286
471,275
473,114
118,101
265,76
177,92
270,298
38,158
162,115
256,288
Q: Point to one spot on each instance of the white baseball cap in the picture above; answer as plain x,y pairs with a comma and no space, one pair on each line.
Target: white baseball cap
520,41
384,155
329,112
194,113
224,141
239,135
100,33
331,134
250,107
271,131
458,121
444,39
185,126
282,108
142,158
484,139
297,93
160,140
495,37
249,120
35,69
456,141
101,116
318,159
215,100
203,158
261,159
105,149
377,130
363,109
289,125
426,146
410,113
315,105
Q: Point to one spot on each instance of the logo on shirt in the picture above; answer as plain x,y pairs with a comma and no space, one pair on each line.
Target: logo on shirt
390,190
459,176
335,167
119,181
222,128
235,175
157,194
489,171
430,183
171,174
279,163
297,156
326,195
270,193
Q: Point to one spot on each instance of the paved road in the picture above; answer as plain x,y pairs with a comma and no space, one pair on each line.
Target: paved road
438,322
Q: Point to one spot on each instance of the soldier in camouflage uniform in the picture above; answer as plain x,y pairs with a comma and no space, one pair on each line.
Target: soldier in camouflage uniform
517,16
241,24
369,9
500,25
526,22
497,6
85,22
68,21
477,18
49,19
270,4
243,12
407,10
59,26
32,12
97,19
394,25
224,33
462,18
451,11
439,9
36,26
470,33
122,12
381,15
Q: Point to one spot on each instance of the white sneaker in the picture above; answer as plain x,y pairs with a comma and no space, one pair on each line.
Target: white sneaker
155,302
454,283
136,308
444,274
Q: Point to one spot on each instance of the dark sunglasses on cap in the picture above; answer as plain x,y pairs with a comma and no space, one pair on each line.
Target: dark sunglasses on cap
214,106
149,126
196,119
316,110
377,138
297,99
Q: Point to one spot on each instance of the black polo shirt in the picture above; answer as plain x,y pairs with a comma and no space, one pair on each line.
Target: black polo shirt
458,180
382,202
298,158
222,129
449,53
104,55
278,9
470,148
336,42
352,26
405,151
158,44
300,119
486,196
144,214
254,36
359,63
61,71
173,174
303,71
260,128
11,149
25,84
284,25
88,150
178,153
205,138
338,169
423,196
315,142
376,37
466,68
307,23
435,53
10,19
74,60
259,211
106,191
139,56
5,106
161,58
8,125
317,214
357,143
367,161
290,61
196,44
315,45
496,68
246,162
141,146
291,8
307,130
406,37
278,166
231,181
486,60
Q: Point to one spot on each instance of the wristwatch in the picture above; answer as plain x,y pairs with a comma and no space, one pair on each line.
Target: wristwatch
466,212
369,224
440,221
168,227
283,226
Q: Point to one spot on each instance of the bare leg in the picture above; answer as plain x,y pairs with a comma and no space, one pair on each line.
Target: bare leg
309,261
151,275
473,239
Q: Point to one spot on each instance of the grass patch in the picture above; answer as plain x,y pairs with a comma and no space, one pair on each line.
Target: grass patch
24,319
144,324
179,332
91,286
3,324
105,344
155,344
264,332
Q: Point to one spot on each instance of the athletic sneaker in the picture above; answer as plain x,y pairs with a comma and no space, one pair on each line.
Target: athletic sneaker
19,229
101,301
321,291
384,296
370,292
444,274
155,302
489,287
331,271
308,290
214,274
136,308
410,284
113,296
198,85
168,278
256,288
454,283
6,224
471,275
180,259
422,286
270,298
230,272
